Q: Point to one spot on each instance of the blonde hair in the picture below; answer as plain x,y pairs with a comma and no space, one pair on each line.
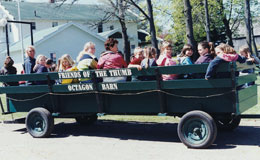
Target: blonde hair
39,57
66,57
85,49
227,49
165,45
29,47
137,50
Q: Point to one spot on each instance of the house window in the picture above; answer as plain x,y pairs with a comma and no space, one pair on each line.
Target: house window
33,26
3,29
54,24
100,27
111,27
133,46
53,57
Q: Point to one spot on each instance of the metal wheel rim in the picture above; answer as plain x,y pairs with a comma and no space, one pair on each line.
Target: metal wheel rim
195,131
36,123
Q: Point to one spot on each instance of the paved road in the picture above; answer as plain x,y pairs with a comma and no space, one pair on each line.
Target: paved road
110,140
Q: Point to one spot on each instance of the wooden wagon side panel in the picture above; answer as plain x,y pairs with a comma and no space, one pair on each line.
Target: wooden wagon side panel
247,98
26,102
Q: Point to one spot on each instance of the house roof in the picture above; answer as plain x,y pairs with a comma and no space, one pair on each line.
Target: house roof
106,34
45,34
51,11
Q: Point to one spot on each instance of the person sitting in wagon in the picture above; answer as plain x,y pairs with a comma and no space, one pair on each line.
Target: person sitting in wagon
41,67
206,51
165,59
148,61
225,53
7,69
67,64
251,59
136,61
87,60
184,58
30,61
245,52
207,54
111,59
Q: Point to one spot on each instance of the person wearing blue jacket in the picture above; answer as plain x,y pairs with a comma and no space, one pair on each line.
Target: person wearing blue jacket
225,54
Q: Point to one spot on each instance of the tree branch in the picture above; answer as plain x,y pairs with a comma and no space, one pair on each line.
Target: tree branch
140,9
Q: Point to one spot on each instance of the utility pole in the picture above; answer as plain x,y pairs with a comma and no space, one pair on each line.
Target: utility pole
20,30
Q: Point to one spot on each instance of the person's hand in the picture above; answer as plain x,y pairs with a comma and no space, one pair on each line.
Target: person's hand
139,68
250,59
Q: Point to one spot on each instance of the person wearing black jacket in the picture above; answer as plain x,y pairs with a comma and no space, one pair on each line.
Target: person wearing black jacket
9,69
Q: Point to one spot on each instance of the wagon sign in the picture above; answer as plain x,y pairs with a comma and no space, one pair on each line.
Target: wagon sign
99,74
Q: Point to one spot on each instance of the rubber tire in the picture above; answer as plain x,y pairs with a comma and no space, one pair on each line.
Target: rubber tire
39,123
228,124
86,120
194,120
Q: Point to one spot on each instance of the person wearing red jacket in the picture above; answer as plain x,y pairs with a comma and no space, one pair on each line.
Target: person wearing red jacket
111,59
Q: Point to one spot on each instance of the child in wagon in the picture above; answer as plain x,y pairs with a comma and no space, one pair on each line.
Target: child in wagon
165,59
225,53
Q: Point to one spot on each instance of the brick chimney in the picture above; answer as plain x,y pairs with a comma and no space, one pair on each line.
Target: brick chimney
51,1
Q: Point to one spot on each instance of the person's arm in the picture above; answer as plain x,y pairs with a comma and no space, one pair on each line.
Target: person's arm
241,59
27,67
256,59
123,62
101,62
187,61
212,68
139,67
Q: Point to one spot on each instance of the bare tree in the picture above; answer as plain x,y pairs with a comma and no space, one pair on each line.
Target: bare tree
253,39
150,19
226,18
248,24
207,26
112,9
189,26
121,18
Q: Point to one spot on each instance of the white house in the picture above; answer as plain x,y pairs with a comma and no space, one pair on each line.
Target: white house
240,40
48,15
68,38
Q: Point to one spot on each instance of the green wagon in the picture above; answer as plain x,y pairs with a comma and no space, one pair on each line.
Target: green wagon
203,105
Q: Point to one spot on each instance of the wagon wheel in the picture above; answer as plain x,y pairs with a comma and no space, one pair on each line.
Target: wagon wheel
229,123
39,122
197,129
86,120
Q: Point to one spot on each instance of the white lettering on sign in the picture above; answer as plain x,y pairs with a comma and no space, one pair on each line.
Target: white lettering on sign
109,86
69,75
120,72
80,87
86,74
101,73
